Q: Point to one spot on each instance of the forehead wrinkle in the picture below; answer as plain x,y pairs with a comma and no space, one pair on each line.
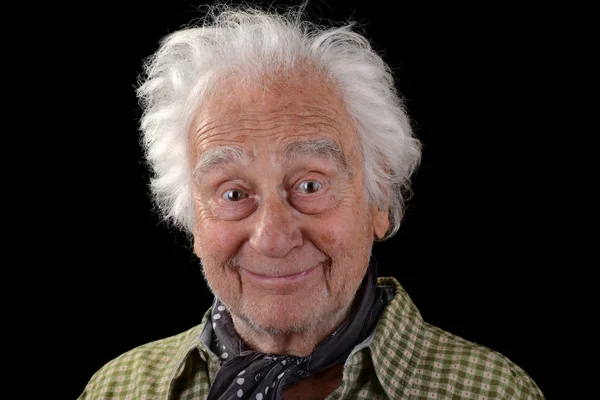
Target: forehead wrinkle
249,129
277,120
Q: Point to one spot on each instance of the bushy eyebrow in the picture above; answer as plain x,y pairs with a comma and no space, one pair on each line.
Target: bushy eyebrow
323,147
218,156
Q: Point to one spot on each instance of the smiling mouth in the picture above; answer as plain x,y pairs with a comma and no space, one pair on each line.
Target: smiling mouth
286,278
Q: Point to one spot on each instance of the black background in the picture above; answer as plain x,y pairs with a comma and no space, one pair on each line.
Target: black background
478,246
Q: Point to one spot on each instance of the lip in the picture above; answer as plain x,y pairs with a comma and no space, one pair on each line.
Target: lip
285,278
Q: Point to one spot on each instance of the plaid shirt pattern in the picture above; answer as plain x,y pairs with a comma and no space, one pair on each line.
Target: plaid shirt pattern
404,358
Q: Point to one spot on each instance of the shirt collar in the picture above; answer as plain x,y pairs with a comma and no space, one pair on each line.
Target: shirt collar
394,341
395,348
190,342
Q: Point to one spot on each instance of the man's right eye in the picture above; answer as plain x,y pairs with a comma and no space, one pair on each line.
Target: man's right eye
234,195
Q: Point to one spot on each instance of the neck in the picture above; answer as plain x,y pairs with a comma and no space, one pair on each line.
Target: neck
299,344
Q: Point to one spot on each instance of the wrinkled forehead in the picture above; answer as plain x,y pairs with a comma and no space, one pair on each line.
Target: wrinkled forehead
323,149
273,113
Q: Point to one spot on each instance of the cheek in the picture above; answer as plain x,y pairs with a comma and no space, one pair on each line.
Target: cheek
341,237
218,241
351,223
327,238
345,236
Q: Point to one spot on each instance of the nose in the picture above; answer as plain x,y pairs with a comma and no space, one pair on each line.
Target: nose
276,232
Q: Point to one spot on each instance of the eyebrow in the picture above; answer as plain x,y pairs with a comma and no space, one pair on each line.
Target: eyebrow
223,155
323,148
218,156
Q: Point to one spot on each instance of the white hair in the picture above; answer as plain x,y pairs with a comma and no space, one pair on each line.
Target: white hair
253,43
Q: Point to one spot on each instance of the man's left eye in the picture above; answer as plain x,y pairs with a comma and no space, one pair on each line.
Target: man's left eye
310,186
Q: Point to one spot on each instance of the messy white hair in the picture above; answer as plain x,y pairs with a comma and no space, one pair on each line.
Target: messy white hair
254,43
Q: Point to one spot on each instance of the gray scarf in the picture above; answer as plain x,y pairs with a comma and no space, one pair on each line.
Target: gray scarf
249,374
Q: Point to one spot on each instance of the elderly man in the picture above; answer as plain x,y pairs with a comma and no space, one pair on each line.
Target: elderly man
284,151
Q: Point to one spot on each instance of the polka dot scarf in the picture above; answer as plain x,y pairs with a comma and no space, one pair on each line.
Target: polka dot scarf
248,374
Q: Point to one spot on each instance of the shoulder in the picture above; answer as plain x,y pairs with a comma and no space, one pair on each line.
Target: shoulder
423,360
469,369
149,368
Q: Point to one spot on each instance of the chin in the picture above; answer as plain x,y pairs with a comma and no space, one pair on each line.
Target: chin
278,327
290,315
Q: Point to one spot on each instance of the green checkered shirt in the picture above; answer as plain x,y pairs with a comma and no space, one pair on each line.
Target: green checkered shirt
404,358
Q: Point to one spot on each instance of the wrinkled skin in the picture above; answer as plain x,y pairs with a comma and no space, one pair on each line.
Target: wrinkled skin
284,239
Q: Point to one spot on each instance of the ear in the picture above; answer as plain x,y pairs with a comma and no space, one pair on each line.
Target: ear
381,221
196,239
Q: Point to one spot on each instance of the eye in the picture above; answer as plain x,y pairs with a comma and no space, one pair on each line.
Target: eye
310,186
234,195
